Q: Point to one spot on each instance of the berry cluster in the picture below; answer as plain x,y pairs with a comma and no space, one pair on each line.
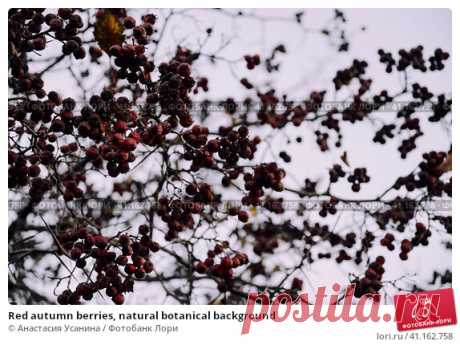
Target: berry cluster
411,125
234,145
267,113
387,241
24,27
421,235
177,214
349,240
436,61
408,145
19,172
285,156
172,90
70,183
345,76
446,222
414,58
197,136
385,131
252,61
371,283
21,81
245,82
243,215
343,256
65,26
263,176
310,187
335,173
119,154
331,123
154,134
366,242
229,105
266,237
406,247
231,146
196,151
430,171
143,31
358,110
274,205
324,255
315,230
401,211
381,99
270,64
328,207
82,245
224,270
202,83
297,284
321,140
359,176
134,65
440,108
95,53
421,92
117,147
298,115
387,59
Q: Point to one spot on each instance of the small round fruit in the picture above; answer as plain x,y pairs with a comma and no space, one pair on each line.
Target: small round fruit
118,299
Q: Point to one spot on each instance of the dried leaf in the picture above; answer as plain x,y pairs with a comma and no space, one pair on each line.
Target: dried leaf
447,164
344,158
108,30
